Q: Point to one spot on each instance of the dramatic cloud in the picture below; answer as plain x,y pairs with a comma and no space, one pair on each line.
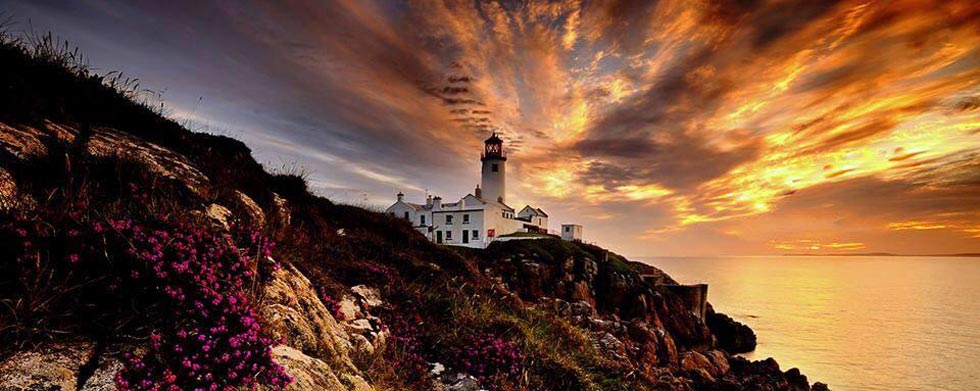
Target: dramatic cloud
665,127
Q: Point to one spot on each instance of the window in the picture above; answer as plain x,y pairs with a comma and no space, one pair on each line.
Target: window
406,215
568,229
449,219
466,219
422,219
476,234
495,167
449,235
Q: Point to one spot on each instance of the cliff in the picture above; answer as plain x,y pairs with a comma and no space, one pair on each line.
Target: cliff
137,255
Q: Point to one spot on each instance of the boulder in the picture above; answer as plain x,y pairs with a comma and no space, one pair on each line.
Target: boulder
107,142
368,296
219,214
23,142
247,208
583,309
50,367
581,291
280,213
719,359
312,374
10,198
461,382
349,308
559,307
611,347
694,362
292,310
732,336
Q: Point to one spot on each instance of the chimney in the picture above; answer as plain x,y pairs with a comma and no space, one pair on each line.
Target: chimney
437,203
428,200
401,196
478,192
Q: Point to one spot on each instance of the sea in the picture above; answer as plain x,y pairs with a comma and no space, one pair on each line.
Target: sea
853,322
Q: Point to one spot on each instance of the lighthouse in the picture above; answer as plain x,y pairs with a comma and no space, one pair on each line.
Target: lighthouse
479,218
493,178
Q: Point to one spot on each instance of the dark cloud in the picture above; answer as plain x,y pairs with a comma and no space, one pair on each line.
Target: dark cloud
684,163
968,104
780,19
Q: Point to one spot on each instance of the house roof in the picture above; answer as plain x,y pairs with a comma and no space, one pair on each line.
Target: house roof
417,207
536,211
491,202
450,205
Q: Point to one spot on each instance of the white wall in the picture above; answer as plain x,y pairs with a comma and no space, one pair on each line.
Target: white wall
493,184
571,232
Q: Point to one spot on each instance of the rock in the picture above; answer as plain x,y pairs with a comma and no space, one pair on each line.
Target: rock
719,359
765,375
360,326
311,374
104,376
10,198
248,209
219,214
23,142
589,269
369,296
349,309
107,142
280,213
292,310
462,382
695,362
51,367
582,291
437,369
733,336
557,306
668,353
582,308
611,347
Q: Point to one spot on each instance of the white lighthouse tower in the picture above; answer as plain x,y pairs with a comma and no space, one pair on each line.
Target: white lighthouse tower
493,180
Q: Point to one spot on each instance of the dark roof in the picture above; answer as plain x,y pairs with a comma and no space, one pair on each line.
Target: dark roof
536,211
494,139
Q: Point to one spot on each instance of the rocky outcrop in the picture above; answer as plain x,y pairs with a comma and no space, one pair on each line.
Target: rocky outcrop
733,336
292,311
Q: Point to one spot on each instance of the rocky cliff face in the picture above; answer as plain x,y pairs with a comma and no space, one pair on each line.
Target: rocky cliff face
134,253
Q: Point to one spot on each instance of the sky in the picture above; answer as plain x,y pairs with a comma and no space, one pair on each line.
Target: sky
672,127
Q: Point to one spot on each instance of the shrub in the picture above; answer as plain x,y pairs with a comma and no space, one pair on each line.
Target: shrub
487,357
186,282
216,343
404,344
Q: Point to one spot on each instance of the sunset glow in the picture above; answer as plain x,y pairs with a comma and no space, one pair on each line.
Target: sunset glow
668,127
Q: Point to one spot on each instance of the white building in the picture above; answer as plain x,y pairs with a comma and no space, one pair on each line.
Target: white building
571,232
476,219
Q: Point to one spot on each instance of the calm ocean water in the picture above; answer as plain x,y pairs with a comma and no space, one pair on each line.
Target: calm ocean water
855,323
